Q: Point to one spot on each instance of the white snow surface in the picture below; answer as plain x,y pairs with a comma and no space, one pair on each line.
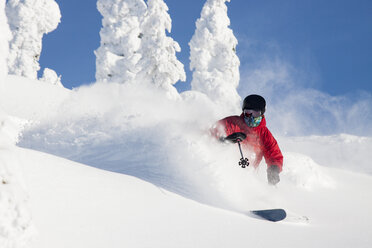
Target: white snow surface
161,181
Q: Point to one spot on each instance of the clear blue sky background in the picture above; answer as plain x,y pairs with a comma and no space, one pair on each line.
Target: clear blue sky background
331,40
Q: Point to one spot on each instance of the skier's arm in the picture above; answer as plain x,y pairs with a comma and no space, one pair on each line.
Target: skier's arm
223,128
273,155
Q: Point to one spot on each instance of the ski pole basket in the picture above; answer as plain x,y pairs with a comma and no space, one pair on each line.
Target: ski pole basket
237,138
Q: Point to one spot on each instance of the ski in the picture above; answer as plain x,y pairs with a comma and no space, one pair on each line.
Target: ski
273,215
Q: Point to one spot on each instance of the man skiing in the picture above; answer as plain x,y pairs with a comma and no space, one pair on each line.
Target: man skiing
259,141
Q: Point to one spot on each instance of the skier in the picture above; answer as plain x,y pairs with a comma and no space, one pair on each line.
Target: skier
259,140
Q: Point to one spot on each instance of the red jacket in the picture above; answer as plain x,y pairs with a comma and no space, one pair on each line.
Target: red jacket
259,139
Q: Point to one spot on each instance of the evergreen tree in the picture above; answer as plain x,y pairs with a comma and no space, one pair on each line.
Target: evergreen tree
159,64
15,220
4,41
213,58
117,56
29,20
51,77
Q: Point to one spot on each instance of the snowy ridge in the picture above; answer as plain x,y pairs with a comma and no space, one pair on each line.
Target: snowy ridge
342,151
37,98
305,173
16,227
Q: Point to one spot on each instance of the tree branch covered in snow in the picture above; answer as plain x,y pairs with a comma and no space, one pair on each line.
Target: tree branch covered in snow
117,56
213,59
29,20
4,41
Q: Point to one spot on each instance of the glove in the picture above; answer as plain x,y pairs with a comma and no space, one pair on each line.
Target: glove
235,137
273,174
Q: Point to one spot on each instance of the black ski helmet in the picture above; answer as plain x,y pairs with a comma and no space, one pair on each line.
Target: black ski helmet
255,102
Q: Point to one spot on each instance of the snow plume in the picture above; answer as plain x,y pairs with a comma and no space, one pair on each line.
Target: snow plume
295,109
117,56
134,129
159,64
29,20
214,62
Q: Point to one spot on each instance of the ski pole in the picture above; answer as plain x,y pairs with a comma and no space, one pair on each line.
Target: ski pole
237,138
243,161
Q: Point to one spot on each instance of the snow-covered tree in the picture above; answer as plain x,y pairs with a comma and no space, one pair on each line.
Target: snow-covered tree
16,227
15,219
51,77
159,64
29,20
4,41
213,59
117,56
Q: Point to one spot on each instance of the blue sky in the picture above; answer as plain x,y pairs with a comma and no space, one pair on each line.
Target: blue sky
328,41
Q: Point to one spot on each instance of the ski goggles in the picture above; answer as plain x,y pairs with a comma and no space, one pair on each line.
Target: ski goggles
251,112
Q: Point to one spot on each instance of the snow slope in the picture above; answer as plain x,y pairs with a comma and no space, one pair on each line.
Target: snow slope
78,206
176,187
